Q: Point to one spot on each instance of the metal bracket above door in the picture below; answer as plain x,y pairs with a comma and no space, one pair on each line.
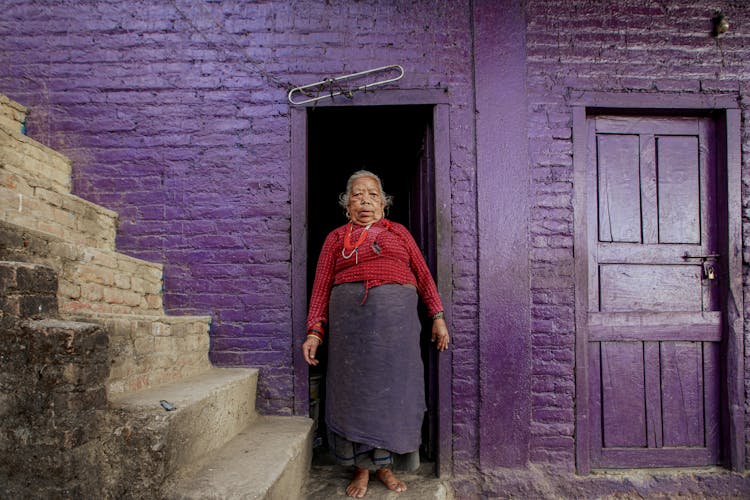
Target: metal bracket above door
331,87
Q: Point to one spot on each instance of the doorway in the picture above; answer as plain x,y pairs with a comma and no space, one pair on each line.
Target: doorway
397,144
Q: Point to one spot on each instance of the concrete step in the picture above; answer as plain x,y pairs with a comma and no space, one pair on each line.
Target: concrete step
39,165
270,459
148,444
90,279
64,215
147,350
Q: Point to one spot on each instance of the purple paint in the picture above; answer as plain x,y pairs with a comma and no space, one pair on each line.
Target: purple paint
190,144
505,353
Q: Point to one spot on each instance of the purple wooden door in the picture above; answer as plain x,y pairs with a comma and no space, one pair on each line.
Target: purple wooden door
654,317
422,227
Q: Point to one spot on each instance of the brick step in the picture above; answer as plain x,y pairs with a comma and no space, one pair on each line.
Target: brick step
269,459
64,215
147,351
147,444
90,279
12,114
39,165
52,391
27,291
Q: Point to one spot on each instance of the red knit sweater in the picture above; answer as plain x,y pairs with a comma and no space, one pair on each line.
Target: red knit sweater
389,254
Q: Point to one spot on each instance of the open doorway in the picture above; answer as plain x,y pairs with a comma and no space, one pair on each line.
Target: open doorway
396,143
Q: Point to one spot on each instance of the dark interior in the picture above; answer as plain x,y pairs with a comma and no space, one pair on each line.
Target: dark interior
395,143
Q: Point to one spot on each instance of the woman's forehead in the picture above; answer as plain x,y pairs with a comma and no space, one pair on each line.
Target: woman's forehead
365,182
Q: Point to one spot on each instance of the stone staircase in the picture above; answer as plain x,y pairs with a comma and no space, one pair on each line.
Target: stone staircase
110,437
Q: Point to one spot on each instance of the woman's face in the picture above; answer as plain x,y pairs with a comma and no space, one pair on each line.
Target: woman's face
365,204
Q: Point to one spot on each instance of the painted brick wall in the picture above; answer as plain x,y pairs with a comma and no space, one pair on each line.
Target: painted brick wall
175,116
616,46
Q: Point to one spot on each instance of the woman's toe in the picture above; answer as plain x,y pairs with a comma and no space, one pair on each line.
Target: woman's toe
390,481
358,486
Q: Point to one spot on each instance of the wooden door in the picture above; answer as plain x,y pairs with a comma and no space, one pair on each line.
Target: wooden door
654,317
422,227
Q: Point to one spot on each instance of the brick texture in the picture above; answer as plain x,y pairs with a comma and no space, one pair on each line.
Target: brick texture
52,386
27,291
611,46
175,117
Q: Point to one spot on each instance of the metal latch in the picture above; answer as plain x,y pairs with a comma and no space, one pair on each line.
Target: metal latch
707,264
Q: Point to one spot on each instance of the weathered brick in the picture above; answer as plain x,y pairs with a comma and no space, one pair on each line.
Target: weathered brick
164,124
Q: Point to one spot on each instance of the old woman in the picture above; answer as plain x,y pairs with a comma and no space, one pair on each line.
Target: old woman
368,281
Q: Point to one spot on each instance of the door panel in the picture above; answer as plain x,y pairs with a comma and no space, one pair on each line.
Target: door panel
623,404
678,189
619,189
654,319
628,287
682,385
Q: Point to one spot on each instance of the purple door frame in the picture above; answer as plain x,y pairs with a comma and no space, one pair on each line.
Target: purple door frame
726,111
438,99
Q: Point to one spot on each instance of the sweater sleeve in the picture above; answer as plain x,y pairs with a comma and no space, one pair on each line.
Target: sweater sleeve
425,283
324,278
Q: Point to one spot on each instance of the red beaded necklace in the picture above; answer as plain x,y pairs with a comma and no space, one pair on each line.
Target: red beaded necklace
353,249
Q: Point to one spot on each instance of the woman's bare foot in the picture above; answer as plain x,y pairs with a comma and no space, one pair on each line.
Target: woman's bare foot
390,481
358,486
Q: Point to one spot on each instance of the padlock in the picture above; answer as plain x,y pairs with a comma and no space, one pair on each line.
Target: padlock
708,271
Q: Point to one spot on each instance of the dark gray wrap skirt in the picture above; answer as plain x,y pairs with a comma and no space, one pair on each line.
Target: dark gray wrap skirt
375,381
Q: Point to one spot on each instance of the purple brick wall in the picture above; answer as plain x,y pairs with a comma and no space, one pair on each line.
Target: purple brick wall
618,46
175,115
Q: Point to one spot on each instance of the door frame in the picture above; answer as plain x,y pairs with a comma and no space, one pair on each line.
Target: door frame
438,99
724,108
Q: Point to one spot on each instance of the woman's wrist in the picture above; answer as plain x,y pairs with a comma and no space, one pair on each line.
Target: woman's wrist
314,336
316,331
437,315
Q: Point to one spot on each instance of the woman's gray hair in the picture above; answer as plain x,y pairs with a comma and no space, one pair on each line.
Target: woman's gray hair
344,197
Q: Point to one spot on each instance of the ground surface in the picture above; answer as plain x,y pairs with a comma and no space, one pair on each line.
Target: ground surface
328,480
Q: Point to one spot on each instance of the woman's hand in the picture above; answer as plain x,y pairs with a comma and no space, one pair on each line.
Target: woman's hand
440,334
309,348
